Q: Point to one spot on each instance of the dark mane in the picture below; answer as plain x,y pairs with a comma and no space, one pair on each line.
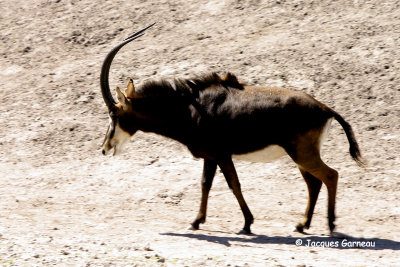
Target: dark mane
207,81
188,86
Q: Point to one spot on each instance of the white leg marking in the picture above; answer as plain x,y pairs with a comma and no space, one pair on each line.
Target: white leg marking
324,133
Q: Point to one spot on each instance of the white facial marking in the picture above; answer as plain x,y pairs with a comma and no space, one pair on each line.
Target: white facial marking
119,140
268,154
115,138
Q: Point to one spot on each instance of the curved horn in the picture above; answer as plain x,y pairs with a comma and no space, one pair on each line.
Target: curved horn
105,69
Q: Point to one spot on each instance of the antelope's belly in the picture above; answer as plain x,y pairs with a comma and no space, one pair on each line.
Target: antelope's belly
268,154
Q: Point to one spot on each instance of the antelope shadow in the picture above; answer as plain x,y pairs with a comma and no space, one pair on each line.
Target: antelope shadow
344,242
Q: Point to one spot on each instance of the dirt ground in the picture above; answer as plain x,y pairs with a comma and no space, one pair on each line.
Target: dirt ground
63,203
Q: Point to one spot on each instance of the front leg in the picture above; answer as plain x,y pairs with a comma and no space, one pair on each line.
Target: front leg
209,170
229,171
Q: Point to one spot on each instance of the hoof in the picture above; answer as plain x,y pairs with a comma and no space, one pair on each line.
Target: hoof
300,228
331,227
192,228
245,231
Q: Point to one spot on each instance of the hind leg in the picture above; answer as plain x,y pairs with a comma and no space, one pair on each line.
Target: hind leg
317,168
330,178
314,187
304,150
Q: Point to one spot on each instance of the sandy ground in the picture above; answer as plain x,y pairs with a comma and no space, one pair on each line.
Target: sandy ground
63,203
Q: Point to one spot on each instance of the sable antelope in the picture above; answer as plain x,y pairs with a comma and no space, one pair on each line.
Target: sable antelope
219,119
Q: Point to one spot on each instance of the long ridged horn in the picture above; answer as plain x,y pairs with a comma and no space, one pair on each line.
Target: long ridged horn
105,69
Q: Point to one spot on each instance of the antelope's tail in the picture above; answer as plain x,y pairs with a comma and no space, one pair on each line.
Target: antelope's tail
354,148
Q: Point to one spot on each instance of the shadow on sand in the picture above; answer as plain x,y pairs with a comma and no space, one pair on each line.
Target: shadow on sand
344,242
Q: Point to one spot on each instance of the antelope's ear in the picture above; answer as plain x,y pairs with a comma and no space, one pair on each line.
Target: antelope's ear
130,90
231,80
121,97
